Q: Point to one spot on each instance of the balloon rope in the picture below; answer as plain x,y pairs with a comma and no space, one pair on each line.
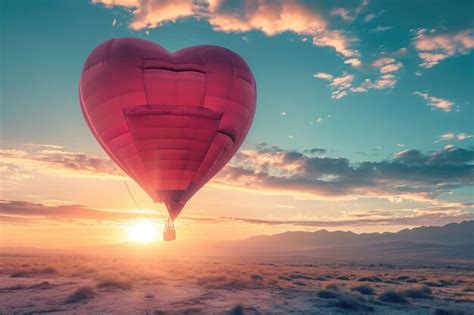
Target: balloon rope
131,195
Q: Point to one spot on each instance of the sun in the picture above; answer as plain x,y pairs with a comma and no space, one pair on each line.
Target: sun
143,231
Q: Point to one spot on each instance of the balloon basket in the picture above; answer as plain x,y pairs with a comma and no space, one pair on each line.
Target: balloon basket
169,233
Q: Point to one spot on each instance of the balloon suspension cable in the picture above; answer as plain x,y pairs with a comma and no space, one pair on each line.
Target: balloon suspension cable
131,195
169,234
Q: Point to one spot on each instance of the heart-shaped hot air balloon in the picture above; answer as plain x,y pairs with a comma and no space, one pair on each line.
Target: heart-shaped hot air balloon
171,121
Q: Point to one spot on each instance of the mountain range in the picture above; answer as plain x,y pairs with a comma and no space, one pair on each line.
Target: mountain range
452,243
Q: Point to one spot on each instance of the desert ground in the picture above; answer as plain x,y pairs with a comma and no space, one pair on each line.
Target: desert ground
81,284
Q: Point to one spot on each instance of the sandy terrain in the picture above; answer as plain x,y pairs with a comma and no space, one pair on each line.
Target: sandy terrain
136,285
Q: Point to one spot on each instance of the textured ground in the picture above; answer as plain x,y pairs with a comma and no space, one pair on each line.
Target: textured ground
89,284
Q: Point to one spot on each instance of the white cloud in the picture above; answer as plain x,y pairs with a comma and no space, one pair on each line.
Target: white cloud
361,7
381,29
436,102
343,13
372,16
369,17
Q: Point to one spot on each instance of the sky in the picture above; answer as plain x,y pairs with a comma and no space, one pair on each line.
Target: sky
364,122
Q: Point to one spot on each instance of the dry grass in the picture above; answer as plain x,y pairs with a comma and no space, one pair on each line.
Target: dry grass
79,295
114,284
371,279
34,272
392,297
237,310
419,293
328,294
469,288
364,289
445,311
193,286
351,303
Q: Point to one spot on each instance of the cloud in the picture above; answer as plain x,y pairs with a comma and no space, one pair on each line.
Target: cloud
349,15
452,136
337,40
436,102
381,29
343,13
409,173
411,219
342,85
322,75
387,65
270,17
153,13
23,213
433,48
372,16
361,7
21,164
339,85
353,62
36,211
122,3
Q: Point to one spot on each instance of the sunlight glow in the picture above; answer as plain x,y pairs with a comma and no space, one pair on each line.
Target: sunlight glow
143,231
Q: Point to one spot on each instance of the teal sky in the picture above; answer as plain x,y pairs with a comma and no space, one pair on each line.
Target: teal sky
429,43
45,42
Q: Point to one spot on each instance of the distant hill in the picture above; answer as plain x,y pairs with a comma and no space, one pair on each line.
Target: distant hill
451,234
452,244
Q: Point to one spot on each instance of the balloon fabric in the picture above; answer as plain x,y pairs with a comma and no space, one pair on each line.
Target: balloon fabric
171,121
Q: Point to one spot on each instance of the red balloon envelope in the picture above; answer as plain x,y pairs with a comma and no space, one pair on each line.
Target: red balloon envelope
171,121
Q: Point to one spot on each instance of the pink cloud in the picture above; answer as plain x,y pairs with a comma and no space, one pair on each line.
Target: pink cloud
121,3
21,164
452,136
337,40
387,65
339,85
353,62
433,48
153,13
322,75
436,102
270,17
